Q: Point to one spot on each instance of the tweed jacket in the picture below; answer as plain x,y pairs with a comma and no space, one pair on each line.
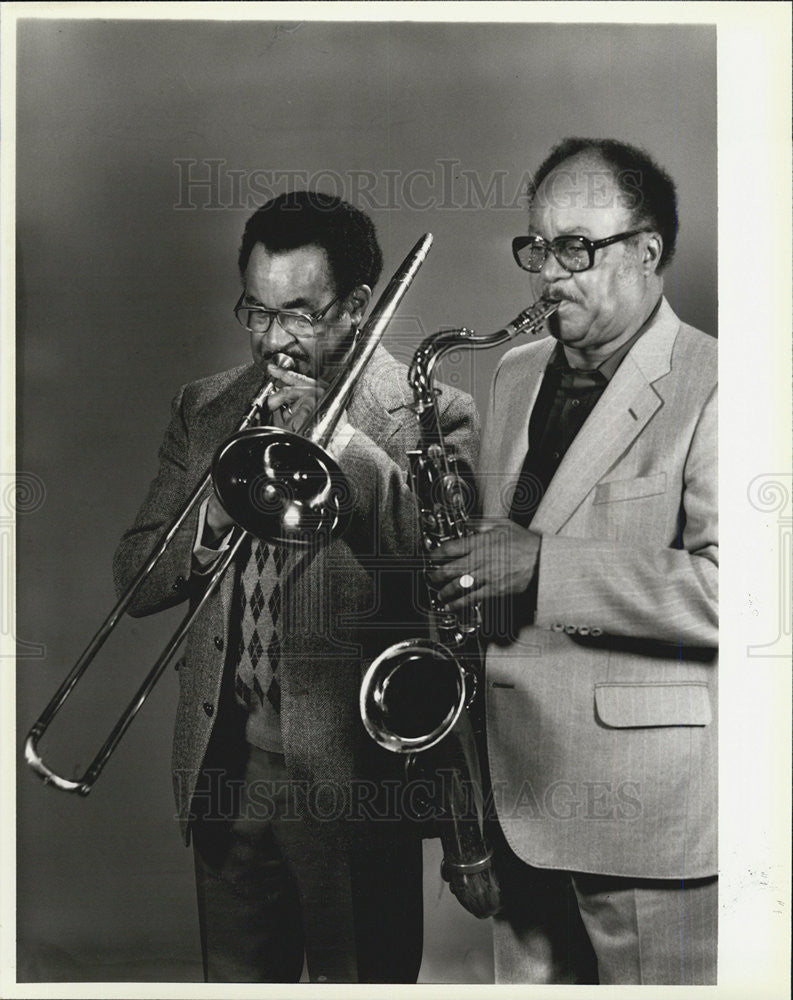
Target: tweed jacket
342,603
601,706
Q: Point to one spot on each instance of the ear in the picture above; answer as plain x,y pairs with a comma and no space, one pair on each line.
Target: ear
651,253
357,302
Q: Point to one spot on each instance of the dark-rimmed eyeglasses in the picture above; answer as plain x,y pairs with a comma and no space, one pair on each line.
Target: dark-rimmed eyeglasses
257,319
574,253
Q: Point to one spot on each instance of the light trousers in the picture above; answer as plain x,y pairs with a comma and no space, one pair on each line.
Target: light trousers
571,927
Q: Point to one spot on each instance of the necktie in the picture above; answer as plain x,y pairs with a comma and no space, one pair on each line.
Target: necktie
567,396
259,645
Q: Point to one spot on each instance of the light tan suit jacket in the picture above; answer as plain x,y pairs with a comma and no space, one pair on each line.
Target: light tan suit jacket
602,710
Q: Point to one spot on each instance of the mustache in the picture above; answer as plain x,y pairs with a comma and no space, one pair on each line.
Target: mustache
270,356
554,295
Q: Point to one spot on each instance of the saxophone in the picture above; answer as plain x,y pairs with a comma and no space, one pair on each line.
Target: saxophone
421,697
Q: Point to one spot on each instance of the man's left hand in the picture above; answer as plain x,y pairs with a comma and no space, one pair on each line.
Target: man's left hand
498,560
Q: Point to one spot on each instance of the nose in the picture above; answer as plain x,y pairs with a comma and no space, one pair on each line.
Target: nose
275,339
552,270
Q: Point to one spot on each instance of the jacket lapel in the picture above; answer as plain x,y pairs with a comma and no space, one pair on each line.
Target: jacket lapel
517,428
378,395
500,468
622,413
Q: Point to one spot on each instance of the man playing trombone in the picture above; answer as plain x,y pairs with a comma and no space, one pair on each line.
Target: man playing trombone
276,781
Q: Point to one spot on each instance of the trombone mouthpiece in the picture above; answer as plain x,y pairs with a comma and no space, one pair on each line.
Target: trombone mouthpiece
283,361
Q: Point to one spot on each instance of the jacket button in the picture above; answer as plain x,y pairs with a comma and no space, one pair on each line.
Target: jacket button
557,627
209,708
571,629
583,630
595,631
179,584
218,640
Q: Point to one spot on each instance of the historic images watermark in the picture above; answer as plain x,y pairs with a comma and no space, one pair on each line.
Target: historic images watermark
20,494
214,184
773,494
219,796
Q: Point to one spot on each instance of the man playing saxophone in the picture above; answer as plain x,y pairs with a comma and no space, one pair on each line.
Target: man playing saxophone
597,571
274,774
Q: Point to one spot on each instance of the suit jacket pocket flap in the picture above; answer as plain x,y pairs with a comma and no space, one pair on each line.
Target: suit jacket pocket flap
630,489
627,705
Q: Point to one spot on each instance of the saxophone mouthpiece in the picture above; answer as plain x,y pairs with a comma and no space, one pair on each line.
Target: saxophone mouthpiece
532,320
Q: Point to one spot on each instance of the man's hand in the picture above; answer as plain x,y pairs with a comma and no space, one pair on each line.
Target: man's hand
293,403
217,523
499,556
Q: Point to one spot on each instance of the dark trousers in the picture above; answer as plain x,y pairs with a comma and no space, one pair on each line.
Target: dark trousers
271,890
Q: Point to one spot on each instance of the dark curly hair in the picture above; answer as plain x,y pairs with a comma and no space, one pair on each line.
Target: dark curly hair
306,218
647,188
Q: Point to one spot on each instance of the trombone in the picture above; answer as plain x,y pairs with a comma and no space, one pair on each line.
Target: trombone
280,486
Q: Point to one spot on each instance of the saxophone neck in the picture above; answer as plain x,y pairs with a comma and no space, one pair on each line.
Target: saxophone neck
433,348
421,374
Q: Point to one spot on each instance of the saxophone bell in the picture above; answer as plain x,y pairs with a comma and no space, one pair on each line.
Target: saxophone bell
390,711
414,700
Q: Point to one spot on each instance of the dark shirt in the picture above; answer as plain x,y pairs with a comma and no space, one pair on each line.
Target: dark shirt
566,398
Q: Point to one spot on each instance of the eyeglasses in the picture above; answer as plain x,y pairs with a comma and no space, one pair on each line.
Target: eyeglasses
257,319
574,253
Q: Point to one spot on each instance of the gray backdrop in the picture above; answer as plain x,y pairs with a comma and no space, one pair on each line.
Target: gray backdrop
142,149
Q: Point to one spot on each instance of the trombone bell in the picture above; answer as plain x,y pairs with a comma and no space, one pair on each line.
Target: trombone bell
281,487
